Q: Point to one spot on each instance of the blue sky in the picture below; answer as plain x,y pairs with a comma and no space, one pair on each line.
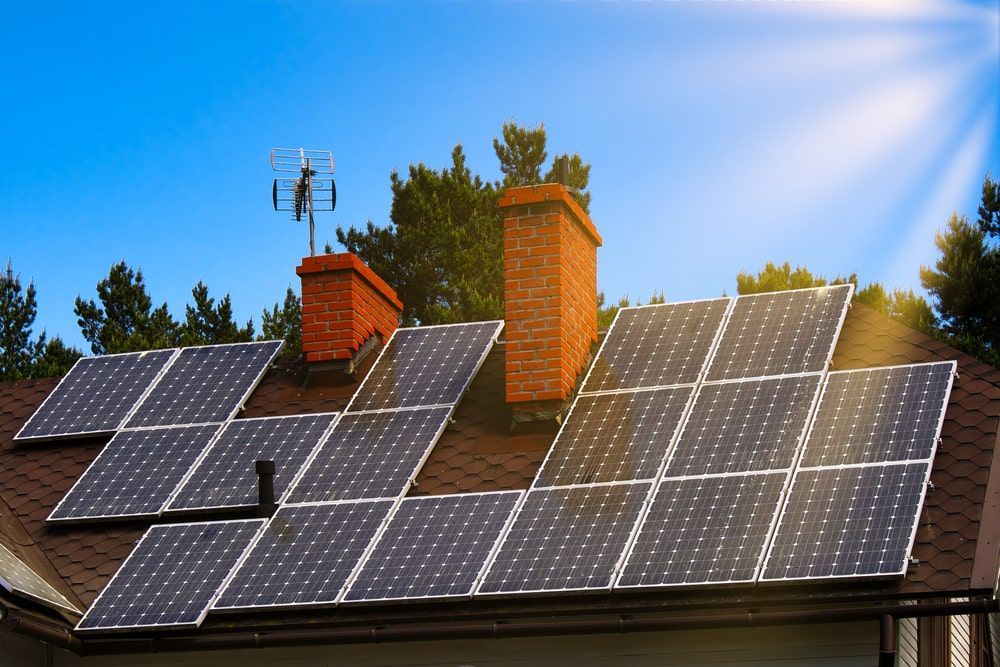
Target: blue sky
838,136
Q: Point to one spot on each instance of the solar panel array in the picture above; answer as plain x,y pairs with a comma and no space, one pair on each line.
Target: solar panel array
225,477
135,474
205,384
96,395
171,576
855,499
17,577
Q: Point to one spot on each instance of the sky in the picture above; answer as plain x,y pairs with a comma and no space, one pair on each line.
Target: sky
839,136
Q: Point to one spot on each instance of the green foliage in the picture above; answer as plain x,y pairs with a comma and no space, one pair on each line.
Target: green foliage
20,356
773,278
126,320
606,313
443,251
284,323
989,208
208,324
963,282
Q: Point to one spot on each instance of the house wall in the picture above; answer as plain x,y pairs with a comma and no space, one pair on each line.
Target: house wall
843,644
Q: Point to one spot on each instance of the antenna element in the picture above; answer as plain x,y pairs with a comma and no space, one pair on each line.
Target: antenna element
312,190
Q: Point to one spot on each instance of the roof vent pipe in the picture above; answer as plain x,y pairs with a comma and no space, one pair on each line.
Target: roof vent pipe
265,489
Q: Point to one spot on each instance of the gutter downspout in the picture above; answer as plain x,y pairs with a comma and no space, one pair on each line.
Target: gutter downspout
885,614
886,641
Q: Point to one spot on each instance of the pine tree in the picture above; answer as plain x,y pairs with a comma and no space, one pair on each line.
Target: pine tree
125,321
284,323
209,324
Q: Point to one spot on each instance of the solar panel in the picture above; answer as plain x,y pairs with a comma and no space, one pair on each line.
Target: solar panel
425,366
705,530
225,475
659,345
135,473
171,577
305,555
780,333
848,522
879,415
743,426
614,437
370,455
434,546
205,384
16,577
96,395
563,539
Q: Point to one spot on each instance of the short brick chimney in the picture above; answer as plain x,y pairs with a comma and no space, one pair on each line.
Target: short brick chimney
344,306
550,297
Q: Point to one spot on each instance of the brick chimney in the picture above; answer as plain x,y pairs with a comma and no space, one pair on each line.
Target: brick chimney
550,297
344,306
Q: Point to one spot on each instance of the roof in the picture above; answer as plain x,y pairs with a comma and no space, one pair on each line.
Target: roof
956,545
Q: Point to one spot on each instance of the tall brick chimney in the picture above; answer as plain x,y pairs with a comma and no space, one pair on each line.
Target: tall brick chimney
550,297
344,306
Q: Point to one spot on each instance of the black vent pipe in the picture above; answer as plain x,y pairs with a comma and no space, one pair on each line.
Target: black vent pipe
265,489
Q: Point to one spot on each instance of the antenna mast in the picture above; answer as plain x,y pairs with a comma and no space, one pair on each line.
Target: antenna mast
313,189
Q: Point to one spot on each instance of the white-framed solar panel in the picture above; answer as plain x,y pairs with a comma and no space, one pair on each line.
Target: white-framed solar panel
848,522
615,437
224,476
707,530
780,333
305,555
566,539
877,415
96,396
744,426
657,345
425,366
433,547
370,455
205,384
171,578
18,578
135,474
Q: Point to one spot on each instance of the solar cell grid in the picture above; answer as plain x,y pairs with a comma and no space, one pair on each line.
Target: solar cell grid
205,384
705,530
425,366
17,577
305,555
569,538
434,546
135,473
370,455
780,333
171,577
225,476
661,345
744,426
879,415
847,522
614,437
96,395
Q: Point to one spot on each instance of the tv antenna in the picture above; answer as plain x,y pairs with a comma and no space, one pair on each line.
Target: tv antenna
312,190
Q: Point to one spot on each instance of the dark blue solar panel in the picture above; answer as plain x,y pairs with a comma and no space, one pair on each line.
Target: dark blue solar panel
226,477
426,366
171,577
434,546
370,455
96,395
205,384
135,474
305,555
565,539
